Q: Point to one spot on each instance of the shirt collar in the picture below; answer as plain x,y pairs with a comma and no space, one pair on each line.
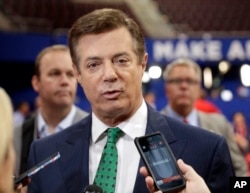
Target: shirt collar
192,117
135,126
66,122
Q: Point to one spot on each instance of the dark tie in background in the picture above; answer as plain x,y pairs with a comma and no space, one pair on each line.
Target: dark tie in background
185,120
106,172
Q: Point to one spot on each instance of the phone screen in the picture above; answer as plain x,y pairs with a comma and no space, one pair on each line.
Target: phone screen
161,162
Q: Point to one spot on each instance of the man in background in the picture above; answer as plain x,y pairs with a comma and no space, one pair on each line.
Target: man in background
182,88
56,85
21,113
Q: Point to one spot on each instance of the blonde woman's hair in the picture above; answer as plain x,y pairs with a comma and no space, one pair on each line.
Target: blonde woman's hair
6,123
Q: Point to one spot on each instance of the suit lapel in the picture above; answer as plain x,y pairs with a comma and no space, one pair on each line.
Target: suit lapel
75,160
158,122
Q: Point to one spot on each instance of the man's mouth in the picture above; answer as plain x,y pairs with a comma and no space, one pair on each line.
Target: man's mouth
114,94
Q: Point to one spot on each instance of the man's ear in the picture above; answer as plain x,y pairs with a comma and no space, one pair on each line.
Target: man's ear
77,73
34,82
144,62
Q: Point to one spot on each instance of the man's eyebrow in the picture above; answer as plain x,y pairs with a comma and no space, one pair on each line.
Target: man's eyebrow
100,58
121,54
92,58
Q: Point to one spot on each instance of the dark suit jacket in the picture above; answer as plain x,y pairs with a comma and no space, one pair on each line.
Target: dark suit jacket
207,152
26,133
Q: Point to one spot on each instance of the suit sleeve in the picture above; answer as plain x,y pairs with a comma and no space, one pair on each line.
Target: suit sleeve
221,166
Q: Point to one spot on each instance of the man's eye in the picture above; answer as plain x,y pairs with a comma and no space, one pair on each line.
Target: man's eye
121,61
55,73
92,65
71,74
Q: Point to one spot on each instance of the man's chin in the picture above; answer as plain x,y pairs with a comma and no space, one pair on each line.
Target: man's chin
113,109
64,103
183,104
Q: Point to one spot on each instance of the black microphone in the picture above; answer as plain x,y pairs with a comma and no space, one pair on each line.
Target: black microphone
93,189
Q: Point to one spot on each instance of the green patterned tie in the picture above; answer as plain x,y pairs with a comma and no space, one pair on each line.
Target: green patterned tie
106,172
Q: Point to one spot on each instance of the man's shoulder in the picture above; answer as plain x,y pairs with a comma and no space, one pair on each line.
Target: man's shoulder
81,111
164,110
75,129
28,124
213,119
217,116
215,122
80,114
186,130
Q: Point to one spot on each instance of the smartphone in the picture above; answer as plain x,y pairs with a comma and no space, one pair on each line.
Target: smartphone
160,162
23,178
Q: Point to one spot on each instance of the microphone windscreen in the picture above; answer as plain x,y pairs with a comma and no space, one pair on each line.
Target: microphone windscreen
93,189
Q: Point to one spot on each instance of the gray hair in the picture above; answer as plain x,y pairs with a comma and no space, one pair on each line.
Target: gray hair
182,62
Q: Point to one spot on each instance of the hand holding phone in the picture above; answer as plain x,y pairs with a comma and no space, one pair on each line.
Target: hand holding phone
160,162
24,177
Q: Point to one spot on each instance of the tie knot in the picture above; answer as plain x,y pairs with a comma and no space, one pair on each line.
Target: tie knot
185,120
114,134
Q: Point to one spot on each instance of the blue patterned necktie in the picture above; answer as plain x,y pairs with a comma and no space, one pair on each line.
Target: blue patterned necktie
106,172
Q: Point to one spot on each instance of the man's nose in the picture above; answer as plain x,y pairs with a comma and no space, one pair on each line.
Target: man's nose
109,71
65,78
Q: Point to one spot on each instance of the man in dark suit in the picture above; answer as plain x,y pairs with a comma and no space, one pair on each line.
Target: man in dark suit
56,85
109,58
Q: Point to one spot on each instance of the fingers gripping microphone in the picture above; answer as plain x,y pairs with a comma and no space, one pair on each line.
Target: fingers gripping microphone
93,189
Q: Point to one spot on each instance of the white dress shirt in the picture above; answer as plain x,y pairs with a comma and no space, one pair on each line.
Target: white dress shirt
128,156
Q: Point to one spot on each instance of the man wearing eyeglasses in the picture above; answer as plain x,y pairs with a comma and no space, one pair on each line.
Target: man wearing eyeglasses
182,86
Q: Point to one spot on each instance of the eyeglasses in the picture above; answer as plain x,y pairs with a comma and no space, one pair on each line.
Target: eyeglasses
179,81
